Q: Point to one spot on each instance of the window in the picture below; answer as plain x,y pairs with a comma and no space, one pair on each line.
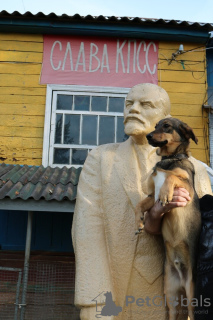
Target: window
79,119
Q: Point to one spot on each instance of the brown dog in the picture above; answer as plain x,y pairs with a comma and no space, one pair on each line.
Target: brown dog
180,226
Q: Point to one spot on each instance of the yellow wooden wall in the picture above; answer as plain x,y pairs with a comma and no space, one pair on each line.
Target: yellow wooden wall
22,98
187,89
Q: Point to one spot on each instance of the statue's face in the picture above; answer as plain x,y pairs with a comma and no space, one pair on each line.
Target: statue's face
144,108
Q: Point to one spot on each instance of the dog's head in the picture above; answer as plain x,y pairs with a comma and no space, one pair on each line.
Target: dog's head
171,136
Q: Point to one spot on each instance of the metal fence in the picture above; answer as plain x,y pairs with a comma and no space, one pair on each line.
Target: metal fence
10,284
50,292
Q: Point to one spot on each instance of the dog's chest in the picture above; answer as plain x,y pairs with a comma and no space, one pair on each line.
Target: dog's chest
159,178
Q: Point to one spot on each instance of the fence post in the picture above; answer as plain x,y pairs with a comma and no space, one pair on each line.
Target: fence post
26,263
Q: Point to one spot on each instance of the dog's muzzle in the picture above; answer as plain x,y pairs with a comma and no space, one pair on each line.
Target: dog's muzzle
154,142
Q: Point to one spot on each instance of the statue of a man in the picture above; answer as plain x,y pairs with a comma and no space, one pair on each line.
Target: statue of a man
109,256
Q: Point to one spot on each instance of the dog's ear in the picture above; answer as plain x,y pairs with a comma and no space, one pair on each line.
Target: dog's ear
188,132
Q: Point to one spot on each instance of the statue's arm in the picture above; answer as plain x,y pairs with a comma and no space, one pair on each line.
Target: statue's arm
88,234
202,180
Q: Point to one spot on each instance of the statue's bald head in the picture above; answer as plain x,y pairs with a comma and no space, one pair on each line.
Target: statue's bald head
156,94
146,104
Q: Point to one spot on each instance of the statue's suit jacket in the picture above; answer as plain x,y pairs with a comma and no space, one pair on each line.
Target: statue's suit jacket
112,182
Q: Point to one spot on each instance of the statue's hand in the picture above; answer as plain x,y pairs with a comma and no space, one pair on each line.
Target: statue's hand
89,313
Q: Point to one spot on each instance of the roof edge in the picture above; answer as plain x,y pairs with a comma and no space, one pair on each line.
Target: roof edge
158,29
124,30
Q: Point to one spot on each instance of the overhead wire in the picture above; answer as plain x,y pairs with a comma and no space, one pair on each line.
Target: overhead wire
23,5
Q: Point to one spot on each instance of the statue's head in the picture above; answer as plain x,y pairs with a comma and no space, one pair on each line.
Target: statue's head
146,104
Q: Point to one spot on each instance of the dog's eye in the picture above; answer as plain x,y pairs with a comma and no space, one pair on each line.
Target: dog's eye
166,125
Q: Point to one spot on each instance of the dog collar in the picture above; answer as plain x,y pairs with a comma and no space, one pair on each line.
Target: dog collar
179,156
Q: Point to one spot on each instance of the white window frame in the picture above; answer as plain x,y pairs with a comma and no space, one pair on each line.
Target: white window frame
49,121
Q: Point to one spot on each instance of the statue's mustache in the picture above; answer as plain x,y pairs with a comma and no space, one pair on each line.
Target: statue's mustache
130,117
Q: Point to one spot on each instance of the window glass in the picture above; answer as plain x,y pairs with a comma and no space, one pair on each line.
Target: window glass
99,104
116,104
61,156
72,129
58,127
84,119
64,102
121,136
81,103
89,130
79,156
106,130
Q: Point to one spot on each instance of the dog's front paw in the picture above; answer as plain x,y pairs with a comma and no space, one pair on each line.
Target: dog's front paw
139,225
165,196
139,218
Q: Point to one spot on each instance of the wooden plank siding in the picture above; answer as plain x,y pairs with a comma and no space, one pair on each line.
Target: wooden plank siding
22,98
187,87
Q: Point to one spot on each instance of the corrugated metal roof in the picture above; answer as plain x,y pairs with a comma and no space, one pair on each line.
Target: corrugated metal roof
105,26
101,18
37,183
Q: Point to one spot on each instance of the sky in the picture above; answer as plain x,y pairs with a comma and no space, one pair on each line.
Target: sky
189,10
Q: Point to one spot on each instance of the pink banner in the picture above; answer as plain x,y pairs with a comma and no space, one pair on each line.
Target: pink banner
99,61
